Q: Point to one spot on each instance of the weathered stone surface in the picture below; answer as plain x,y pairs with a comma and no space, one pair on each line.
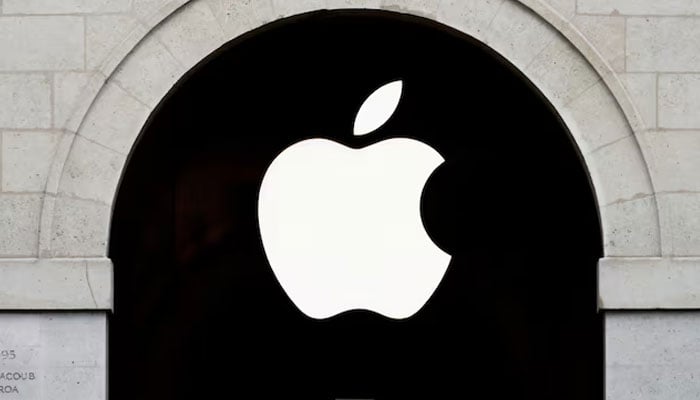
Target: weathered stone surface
104,33
61,356
630,228
58,283
65,6
639,7
80,228
239,16
644,283
73,93
92,171
674,159
41,43
340,4
607,34
19,224
116,119
518,34
469,16
620,162
427,8
642,89
561,73
595,119
663,44
680,223
192,34
25,101
679,101
26,159
565,8
144,9
149,79
652,355
281,8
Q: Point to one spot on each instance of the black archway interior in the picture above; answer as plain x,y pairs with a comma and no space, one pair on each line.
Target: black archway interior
199,313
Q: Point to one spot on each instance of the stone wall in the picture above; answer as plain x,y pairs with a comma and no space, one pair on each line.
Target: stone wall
78,78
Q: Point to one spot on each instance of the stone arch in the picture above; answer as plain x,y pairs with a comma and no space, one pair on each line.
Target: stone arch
538,41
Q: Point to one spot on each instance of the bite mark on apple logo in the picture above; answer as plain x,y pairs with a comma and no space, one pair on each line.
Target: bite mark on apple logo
342,228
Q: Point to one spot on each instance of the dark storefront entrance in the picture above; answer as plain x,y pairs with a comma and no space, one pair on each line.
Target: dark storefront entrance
199,313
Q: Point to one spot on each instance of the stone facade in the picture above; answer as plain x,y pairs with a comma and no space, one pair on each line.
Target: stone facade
78,79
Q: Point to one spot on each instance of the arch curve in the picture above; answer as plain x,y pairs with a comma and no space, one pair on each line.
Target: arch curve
538,41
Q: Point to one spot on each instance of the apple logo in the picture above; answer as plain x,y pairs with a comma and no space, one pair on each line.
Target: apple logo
342,228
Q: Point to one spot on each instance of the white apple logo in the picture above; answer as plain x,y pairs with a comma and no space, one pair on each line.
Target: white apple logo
341,227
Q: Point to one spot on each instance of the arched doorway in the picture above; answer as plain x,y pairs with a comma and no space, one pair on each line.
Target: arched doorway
199,312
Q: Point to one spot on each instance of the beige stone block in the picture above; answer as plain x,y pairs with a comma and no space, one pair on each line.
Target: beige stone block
561,73
19,224
469,16
65,143
426,8
639,7
100,276
641,88
674,159
73,92
46,224
237,17
41,43
619,172
52,283
565,8
595,119
652,355
190,35
25,101
26,159
635,338
631,228
115,120
144,9
74,347
663,44
607,35
340,4
518,34
285,8
106,35
149,72
680,223
67,351
91,172
65,6
646,283
80,228
153,12
679,101
70,383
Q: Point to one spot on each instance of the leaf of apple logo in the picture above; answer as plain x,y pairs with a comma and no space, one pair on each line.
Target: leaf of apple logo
341,227
378,108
